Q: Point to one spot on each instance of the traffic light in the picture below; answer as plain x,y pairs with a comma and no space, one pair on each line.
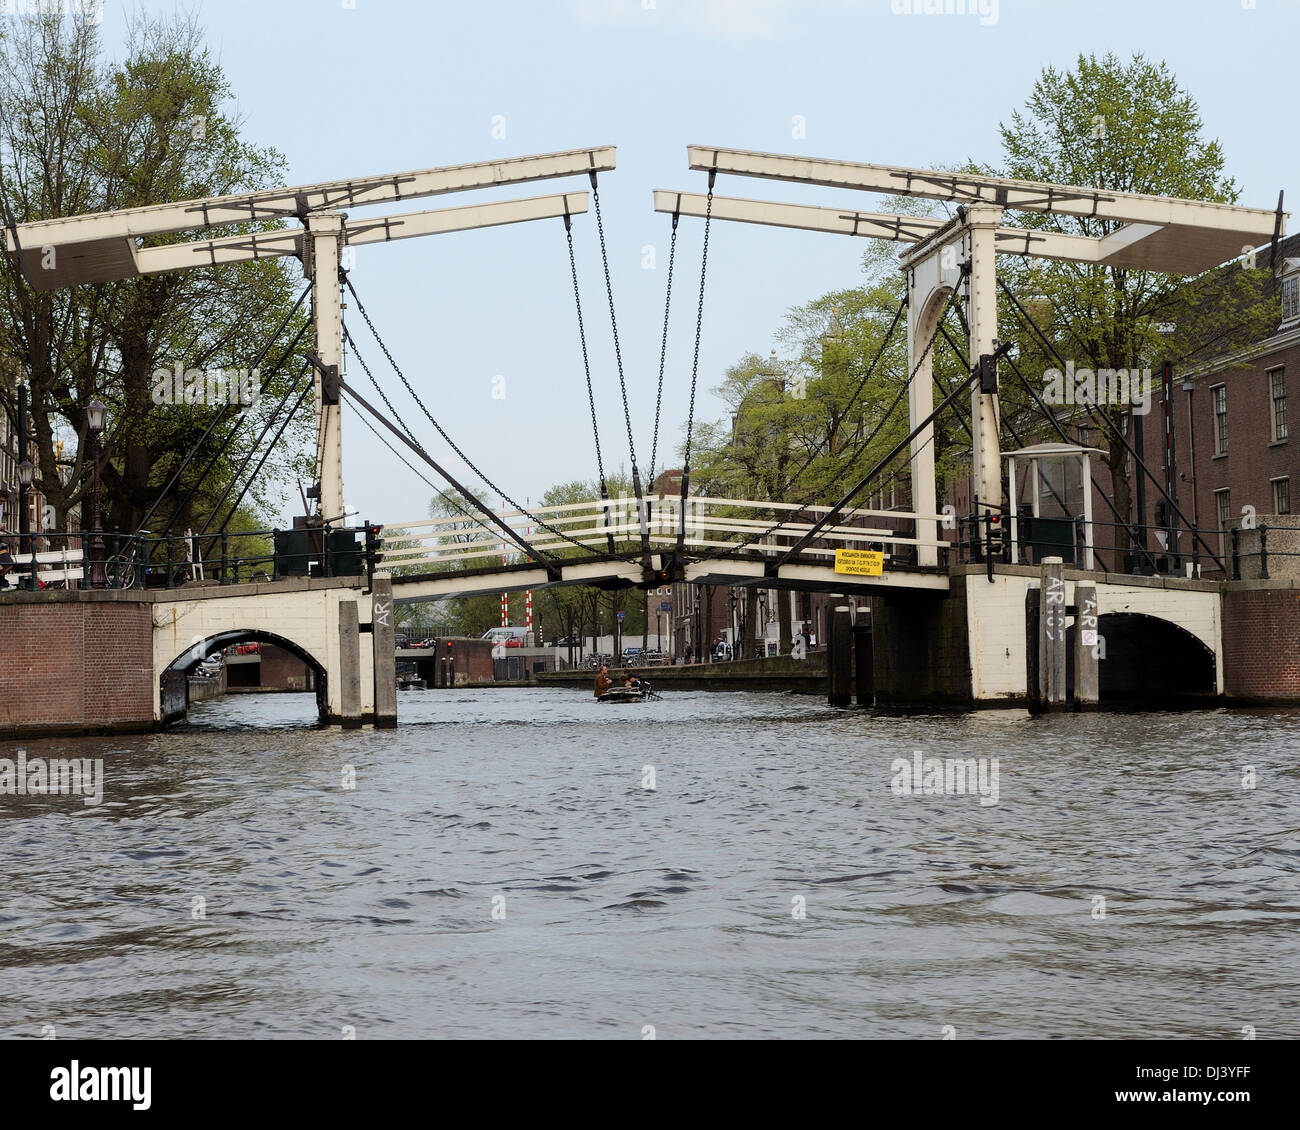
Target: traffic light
995,535
373,535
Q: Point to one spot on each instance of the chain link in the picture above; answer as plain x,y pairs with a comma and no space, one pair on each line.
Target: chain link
441,431
586,362
663,351
699,324
613,322
861,447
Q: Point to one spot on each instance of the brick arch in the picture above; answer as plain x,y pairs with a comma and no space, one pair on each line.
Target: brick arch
1153,661
185,663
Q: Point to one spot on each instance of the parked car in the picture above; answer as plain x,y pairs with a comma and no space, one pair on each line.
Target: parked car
400,642
632,655
507,637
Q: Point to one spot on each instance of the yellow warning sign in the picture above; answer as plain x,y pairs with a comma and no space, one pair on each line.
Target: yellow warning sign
860,562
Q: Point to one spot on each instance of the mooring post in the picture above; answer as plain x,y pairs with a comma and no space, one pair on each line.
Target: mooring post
382,639
1086,647
349,665
1033,693
1051,633
863,669
840,659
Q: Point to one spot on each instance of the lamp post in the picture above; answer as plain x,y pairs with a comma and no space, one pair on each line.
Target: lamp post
699,624
762,620
731,595
27,543
95,425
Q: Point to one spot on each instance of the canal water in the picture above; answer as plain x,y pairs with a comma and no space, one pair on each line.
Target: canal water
520,863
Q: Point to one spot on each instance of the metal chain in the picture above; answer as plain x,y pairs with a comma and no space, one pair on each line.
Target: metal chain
699,323
586,362
866,376
663,349
441,431
613,322
898,397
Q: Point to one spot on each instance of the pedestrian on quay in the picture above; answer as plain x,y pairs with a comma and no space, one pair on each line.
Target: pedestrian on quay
6,559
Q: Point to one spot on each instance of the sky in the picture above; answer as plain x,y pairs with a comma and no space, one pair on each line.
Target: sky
483,323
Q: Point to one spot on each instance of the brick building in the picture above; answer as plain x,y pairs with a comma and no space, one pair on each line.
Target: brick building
1234,458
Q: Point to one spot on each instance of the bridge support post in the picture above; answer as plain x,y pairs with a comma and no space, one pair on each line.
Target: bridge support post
322,247
840,659
385,657
349,665
863,670
1051,634
1086,650
1033,687
982,222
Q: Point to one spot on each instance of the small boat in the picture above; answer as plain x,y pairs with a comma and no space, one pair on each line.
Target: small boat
628,694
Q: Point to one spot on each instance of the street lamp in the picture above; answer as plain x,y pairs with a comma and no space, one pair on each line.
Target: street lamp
762,619
731,595
27,544
95,425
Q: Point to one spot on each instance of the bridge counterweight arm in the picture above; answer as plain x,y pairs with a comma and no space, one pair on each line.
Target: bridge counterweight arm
99,246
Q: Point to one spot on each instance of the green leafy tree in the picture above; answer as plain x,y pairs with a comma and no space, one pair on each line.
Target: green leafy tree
79,136
1126,126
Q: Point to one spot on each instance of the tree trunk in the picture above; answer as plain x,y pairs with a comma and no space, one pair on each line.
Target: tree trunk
783,600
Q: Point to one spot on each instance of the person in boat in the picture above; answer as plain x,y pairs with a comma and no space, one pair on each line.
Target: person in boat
632,682
603,681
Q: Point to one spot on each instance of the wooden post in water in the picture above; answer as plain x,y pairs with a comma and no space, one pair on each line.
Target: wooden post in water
384,653
863,671
1051,634
1086,649
1033,691
349,666
840,659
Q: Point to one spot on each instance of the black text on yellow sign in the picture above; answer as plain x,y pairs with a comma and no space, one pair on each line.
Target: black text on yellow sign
860,562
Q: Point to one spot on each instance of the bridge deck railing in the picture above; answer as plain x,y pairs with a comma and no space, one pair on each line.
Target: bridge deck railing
708,523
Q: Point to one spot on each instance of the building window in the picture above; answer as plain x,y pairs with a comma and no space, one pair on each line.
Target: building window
1219,398
1223,511
1277,395
1282,496
1291,298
